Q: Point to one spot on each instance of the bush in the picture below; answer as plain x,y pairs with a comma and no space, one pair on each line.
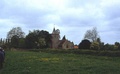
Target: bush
85,44
95,46
108,47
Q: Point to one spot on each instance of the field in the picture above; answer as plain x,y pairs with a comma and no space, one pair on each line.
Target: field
28,62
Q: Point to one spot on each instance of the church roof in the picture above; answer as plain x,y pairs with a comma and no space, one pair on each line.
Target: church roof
61,43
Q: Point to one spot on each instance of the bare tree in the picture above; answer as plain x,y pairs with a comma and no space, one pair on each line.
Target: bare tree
92,35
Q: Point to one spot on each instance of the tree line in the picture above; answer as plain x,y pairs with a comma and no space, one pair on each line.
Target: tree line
92,41
39,39
35,39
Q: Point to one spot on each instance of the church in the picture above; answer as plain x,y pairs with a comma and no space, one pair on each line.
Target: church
56,43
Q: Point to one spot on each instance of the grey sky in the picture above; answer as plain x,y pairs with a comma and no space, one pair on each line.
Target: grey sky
72,17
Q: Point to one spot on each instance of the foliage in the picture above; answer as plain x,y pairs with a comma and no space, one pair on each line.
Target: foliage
95,46
92,35
6,44
30,40
85,44
116,45
119,47
15,38
15,41
108,47
22,43
99,40
38,39
101,46
17,31
35,39
42,39
41,43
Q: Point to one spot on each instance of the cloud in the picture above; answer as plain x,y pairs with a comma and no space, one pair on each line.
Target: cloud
72,17
111,11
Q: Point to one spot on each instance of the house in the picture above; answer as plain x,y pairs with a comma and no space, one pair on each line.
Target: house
56,43
75,46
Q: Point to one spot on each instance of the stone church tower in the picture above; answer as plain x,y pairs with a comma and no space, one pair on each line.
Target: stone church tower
56,43
55,38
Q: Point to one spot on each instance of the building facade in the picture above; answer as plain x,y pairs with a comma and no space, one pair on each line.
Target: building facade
56,43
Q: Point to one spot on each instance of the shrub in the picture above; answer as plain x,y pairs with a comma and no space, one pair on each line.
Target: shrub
119,47
108,47
85,44
95,46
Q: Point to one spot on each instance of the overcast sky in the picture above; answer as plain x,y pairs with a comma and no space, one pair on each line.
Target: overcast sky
72,17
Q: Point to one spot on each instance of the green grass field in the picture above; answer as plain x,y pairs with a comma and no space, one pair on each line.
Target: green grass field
26,62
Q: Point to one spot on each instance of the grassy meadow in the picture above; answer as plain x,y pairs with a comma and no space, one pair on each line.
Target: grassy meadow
28,62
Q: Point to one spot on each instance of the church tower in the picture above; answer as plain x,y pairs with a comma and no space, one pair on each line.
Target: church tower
55,38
